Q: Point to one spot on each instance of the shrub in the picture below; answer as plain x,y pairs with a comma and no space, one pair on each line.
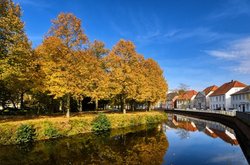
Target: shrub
101,123
150,120
25,133
50,131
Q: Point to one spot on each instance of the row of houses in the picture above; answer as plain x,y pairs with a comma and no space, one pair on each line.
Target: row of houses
232,95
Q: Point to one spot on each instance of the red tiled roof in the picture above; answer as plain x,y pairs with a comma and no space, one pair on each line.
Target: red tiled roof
211,134
187,95
226,87
210,89
225,137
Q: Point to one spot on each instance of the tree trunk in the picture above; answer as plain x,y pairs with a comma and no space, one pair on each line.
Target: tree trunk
123,105
149,106
67,105
96,104
21,100
14,105
79,105
61,105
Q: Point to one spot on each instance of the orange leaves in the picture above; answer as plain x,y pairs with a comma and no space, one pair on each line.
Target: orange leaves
132,76
94,71
68,28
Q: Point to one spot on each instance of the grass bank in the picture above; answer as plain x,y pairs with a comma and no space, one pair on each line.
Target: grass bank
53,127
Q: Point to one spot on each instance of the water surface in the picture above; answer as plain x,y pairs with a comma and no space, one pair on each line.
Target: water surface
180,140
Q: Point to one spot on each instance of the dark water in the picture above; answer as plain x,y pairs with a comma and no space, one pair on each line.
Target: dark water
178,141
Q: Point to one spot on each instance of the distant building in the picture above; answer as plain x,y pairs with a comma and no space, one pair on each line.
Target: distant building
241,100
201,100
171,100
185,100
221,98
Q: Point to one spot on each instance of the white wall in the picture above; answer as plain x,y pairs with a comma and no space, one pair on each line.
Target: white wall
218,101
238,101
228,96
208,99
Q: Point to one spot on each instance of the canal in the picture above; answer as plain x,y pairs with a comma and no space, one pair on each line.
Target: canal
179,140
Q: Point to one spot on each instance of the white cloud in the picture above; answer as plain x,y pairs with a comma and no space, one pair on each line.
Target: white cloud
238,52
230,9
234,158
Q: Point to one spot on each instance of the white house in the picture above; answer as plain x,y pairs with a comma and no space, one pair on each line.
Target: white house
201,100
185,100
221,98
241,100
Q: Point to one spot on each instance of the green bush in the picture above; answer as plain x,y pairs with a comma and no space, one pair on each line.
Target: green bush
50,131
101,123
150,120
25,133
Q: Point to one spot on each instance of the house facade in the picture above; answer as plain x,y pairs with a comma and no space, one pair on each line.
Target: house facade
185,100
241,100
172,100
201,100
220,99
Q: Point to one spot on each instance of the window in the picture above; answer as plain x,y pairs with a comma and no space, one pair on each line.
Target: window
239,97
219,98
243,97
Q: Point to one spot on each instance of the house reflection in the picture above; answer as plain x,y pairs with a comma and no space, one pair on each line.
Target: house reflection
210,128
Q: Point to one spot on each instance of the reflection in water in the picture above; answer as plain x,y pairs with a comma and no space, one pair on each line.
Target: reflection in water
210,128
141,147
196,141
180,140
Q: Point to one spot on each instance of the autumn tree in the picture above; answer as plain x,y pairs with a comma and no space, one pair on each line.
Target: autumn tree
99,86
156,86
68,28
98,49
15,51
69,37
121,63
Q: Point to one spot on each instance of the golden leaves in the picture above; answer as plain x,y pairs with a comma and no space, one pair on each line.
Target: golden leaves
67,27
133,77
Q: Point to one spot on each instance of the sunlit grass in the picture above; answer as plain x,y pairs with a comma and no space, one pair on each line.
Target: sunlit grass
76,124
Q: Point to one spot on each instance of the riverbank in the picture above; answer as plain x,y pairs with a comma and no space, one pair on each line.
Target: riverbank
53,127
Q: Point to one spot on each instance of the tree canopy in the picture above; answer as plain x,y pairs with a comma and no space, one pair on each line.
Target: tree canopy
67,68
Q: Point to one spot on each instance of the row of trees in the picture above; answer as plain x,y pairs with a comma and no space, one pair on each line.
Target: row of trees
68,68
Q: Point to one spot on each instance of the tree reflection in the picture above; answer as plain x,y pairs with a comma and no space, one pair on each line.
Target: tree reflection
142,147
183,134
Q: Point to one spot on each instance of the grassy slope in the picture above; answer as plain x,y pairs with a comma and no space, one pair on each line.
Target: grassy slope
76,125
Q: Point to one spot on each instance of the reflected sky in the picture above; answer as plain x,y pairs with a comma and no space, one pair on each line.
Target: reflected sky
188,147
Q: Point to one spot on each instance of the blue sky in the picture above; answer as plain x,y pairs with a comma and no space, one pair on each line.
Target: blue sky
199,43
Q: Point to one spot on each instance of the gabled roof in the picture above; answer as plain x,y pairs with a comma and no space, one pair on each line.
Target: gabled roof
226,87
187,95
243,91
170,96
210,89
